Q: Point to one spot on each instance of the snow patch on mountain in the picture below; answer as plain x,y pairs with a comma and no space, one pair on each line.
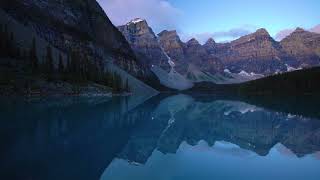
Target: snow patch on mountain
289,68
227,77
244,73
135,21
251,75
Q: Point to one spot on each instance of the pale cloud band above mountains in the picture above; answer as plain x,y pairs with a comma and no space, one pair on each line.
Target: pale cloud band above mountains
221,36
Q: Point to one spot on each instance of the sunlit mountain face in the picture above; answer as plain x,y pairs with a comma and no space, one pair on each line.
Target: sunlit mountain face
187,136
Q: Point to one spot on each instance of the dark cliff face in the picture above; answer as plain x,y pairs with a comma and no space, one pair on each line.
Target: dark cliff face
144,42
304,46
69,24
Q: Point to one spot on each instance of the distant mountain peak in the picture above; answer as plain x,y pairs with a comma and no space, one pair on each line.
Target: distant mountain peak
299,30
193,41
167,33
210,41
262,31
137,26
144,42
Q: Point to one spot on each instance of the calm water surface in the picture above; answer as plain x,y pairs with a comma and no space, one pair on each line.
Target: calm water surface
167,137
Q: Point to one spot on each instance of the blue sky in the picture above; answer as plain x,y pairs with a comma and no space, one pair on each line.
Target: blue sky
274,15
221,19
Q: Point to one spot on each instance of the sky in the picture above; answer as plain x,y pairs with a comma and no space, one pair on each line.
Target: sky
223,20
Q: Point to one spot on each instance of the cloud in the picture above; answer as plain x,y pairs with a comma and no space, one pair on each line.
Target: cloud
286,32
282,34
316,29
232,33
160,14
220,36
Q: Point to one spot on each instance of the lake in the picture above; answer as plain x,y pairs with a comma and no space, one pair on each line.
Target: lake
167,137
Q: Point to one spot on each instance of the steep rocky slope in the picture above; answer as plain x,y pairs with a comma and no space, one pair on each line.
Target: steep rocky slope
144,42
171,43
191,52
304,46
197,55
256,52
73,26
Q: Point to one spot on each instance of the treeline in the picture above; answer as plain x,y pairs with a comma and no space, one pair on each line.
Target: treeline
304,81
300,82
7,45
78,67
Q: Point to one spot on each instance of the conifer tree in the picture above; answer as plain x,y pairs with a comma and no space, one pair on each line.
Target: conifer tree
127,87
5,41
61,66
33,57
49,67
117,83
11,49
2,40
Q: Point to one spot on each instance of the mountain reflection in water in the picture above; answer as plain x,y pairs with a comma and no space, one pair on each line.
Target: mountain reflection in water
166,137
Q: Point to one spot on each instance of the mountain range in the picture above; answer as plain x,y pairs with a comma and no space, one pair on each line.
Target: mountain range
57,45
255,53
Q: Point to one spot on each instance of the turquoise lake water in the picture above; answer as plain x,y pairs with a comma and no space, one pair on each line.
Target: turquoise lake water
167,137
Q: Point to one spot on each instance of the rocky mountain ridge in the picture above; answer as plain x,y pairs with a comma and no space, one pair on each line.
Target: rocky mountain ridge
254,53
144,42
304,46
